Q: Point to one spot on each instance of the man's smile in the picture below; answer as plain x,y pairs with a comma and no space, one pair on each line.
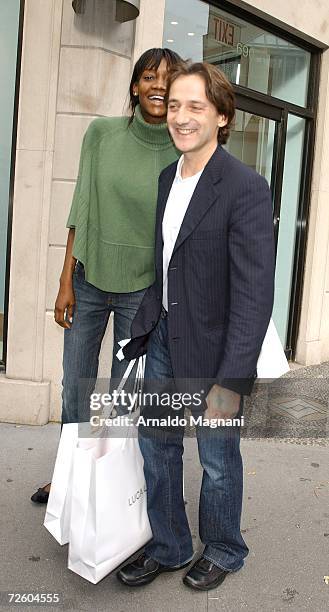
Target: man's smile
185,131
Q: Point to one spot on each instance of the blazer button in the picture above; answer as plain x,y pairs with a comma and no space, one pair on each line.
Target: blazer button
158,297
173,303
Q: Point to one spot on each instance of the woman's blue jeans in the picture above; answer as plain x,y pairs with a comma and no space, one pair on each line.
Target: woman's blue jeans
222,482
82,343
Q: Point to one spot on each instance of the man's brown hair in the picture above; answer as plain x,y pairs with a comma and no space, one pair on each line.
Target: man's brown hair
219,90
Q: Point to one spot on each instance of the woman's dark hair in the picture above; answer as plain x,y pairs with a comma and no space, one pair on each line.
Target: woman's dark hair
219,90
149,60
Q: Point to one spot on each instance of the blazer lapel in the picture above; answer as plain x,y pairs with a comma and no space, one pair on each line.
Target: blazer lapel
205,194
164,190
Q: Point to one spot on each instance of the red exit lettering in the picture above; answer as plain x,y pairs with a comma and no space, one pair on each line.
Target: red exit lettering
224,32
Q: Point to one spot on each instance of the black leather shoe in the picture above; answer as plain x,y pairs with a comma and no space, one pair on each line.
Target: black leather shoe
144,570
204,575
41,496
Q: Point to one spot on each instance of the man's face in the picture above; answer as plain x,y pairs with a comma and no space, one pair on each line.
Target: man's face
193,120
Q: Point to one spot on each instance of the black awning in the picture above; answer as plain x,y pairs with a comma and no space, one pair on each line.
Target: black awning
126,10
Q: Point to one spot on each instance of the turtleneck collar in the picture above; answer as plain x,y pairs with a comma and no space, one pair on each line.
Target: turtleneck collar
156,135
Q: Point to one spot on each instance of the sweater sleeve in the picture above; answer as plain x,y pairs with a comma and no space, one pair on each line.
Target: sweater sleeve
73,216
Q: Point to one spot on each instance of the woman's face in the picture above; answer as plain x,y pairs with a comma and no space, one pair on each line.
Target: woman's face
151,89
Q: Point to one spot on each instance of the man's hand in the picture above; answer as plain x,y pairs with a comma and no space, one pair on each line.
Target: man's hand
222,403
64,305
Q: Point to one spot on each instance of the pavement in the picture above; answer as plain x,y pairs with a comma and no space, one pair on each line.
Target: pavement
285,518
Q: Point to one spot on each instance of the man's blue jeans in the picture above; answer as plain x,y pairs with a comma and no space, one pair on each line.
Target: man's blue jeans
82,343
222,483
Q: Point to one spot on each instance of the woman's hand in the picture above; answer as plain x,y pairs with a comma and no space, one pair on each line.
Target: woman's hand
64,305
65,301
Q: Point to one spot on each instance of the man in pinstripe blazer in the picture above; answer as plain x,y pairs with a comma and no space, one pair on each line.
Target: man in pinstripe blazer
205,317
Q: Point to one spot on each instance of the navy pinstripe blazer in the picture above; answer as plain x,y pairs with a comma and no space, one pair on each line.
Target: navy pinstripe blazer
220,277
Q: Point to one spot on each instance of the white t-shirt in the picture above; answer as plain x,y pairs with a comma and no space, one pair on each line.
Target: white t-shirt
178,200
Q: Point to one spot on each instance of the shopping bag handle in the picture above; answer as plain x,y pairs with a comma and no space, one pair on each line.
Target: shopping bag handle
130,428
137,390
139,376
121,386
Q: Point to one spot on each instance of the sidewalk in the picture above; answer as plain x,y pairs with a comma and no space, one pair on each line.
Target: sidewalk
285,514
285,522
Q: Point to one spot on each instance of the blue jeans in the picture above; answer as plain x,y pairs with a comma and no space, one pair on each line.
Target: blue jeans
222,482
82,343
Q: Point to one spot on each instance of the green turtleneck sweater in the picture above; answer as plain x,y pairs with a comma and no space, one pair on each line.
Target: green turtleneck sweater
114,203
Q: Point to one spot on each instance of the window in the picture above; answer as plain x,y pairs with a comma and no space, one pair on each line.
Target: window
9,25
250,56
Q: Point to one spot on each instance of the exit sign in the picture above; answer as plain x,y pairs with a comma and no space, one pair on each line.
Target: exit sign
223,31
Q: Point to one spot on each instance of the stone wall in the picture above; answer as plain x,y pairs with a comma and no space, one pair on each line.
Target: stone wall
74,68
93,80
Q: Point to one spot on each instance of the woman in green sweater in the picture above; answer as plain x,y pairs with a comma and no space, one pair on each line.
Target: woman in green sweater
109,260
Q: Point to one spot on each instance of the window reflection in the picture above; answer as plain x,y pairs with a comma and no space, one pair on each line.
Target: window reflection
248,55
252,141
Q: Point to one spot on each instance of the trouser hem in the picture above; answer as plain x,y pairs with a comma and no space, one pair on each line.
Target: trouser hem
226,569
173,565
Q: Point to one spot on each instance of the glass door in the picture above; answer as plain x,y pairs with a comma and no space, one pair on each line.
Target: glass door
255,140
271,141
252,141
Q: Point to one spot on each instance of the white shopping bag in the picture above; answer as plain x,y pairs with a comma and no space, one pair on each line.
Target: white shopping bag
57,518
109,520
58,511
272,362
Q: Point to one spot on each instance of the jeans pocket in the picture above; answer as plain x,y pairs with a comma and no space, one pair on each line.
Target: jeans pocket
79,269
